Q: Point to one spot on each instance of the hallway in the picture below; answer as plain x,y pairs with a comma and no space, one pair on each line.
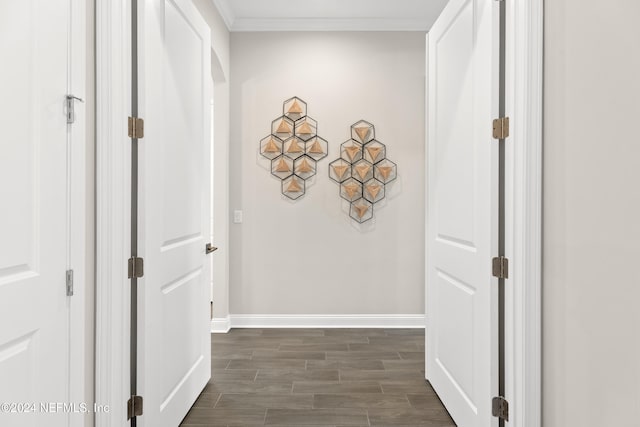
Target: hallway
318,377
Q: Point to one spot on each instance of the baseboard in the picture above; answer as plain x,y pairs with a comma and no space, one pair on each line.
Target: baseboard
222,325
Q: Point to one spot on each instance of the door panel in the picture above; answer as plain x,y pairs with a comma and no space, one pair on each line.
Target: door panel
454,142
34,308
462,211
175,349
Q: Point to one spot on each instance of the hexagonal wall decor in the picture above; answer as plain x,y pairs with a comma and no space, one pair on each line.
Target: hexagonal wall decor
271,147
294,148
361,210
339,170
317,148
351,151
374,152
304,167
293,187
294,108
373,190
282,167
305,128
282,127
362,171
385,171
362,132
351,190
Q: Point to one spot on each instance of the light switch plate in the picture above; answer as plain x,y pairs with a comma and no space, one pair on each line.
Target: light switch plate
237,217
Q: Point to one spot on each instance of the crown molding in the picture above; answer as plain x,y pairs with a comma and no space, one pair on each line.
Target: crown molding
225,12
328,24
238,24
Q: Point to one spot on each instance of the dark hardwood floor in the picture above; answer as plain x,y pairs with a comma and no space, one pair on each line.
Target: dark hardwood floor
318,377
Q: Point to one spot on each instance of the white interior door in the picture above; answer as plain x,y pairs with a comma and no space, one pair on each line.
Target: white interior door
174,348
34,249
461,294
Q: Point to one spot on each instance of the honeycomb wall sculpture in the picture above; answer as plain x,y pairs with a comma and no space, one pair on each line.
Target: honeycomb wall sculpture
362,171
294,148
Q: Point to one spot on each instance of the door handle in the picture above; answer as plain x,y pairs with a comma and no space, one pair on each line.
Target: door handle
210,248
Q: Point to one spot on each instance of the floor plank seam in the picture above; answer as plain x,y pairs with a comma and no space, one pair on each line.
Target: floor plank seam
217,400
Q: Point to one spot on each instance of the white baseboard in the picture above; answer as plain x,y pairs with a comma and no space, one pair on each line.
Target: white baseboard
222,325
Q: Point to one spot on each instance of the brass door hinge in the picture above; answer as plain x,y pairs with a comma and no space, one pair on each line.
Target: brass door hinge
501,128
134,407
136,127
500,267
500,408
136,267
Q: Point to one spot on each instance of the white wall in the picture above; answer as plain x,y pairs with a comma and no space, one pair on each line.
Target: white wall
591,279
308,257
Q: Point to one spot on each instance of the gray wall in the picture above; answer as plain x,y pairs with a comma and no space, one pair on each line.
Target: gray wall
308,257
591,280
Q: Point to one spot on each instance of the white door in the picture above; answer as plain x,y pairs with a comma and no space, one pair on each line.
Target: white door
174,359
461,295
34,250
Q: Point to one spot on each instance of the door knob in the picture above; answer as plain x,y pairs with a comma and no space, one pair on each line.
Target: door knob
210,248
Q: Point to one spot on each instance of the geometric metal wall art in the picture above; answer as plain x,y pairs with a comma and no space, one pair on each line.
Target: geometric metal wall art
294,148
362,170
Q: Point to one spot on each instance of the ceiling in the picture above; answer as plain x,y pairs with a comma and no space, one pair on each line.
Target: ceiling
329,15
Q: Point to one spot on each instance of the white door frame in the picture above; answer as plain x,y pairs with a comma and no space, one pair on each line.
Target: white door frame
78,210
523,212
113,209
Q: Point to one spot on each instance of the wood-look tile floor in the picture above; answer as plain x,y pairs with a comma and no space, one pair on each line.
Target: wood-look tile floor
318,377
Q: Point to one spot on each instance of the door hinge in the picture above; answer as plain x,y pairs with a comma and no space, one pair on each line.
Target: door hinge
500,267
136,127
500,408
136,267
501,128
71,109
134,407
69,276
